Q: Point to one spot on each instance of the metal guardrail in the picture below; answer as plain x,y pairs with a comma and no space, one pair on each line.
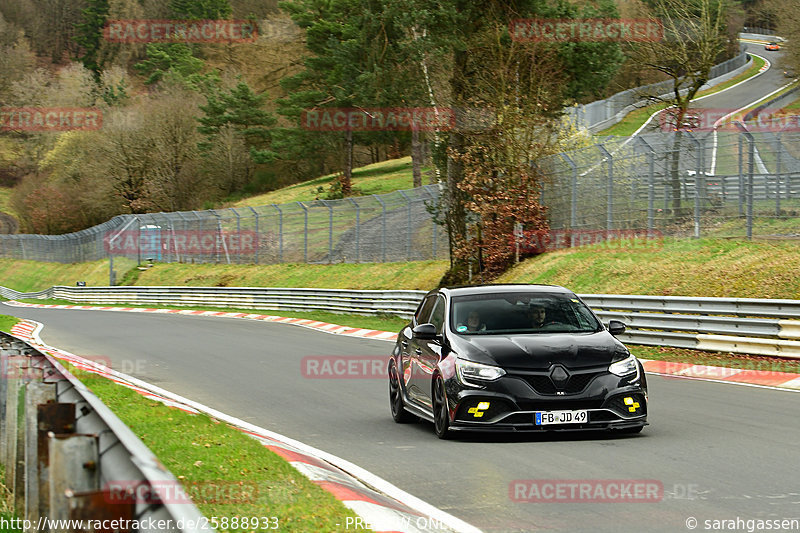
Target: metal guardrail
368,302
741,325
68,457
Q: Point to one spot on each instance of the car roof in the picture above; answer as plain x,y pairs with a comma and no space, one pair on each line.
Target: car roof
490,288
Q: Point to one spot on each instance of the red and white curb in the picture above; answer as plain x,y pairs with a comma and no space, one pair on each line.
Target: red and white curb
381,506
739,376
306,323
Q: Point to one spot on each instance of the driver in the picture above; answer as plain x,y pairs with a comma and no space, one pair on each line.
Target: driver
538,315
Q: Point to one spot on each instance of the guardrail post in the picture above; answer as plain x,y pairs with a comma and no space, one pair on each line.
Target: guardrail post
73,468
38,393
58,418
16,366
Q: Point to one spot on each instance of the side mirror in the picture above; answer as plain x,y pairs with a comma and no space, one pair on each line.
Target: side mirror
615,327
425,332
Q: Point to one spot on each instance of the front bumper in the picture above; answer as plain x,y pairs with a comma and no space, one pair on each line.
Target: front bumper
511,404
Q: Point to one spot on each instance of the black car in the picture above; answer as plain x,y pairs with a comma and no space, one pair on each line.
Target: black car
514,358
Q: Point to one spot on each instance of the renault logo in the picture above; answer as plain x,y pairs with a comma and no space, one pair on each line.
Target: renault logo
559,376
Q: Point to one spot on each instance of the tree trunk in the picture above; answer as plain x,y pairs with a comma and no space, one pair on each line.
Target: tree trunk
416,157
675,177
456,216
348,162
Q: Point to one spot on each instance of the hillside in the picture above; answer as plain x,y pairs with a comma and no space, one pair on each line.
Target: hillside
715,268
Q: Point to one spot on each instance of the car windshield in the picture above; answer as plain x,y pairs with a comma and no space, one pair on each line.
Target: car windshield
520,312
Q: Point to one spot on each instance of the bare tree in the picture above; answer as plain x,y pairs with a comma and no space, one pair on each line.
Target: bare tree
695,37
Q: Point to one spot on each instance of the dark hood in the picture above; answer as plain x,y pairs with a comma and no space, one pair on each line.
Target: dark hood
537,351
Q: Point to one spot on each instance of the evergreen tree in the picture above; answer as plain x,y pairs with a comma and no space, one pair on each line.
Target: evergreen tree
201,9
242,109
89,33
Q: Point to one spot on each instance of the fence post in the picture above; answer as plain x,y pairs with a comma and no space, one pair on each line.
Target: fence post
610,187
651,184
573,206
778,169
697,172
741,174
330,230
305,232
238,234
383,235
255,244
358,230
408,224
280,232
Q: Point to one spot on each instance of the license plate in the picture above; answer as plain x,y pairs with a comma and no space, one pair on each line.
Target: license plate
544,418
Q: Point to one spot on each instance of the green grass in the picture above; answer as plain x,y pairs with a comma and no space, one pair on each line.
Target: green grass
378,178
30,276
631,122
634,120
6,504
416,275
702,267
8,322
209,457
381,322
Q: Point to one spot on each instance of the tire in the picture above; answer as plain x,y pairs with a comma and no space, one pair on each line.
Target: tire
441,414
399,413
631,431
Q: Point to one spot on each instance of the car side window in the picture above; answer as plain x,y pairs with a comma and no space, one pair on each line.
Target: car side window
437,316
424,311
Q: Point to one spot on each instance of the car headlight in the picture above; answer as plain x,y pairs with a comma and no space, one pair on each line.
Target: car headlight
467,370
625,367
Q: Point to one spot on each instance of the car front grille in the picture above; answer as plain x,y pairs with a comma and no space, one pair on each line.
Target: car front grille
576,383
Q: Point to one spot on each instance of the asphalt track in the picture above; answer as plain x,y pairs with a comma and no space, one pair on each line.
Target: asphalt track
720,451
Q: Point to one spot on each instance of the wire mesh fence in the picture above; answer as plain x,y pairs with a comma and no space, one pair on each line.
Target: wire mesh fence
380,228
737,181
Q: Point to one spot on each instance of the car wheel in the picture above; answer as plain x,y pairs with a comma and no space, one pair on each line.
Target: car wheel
441,414
399,414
